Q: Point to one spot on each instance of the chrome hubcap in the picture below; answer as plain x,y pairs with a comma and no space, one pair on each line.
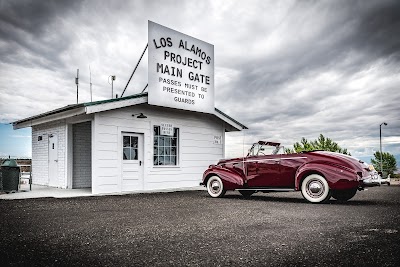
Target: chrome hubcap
215,187
315,188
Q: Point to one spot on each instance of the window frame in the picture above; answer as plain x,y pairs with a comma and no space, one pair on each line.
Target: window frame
177,147
131,147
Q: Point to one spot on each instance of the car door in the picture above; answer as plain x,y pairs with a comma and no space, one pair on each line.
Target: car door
263,171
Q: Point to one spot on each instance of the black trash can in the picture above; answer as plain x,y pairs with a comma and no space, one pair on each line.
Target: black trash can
10,175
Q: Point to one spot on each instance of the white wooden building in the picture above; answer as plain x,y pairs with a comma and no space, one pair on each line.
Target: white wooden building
124,145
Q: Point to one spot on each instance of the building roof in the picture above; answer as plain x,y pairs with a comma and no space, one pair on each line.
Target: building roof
103,105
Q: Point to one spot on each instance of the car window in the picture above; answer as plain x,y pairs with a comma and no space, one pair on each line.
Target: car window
281,150
260,150
254,150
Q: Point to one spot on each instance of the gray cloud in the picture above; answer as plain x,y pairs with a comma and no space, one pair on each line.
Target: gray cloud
351,40
33,33
379,30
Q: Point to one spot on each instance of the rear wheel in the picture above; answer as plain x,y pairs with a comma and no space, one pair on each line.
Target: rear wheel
344,195
246,193
215,187
315,189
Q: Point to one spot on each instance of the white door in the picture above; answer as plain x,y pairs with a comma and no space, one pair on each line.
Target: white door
53,160
132,162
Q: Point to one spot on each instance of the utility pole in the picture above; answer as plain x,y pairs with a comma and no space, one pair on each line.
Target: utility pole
112,84
380,142
77,83
90,73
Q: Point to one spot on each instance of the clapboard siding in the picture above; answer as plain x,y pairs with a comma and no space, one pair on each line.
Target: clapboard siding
196,150
40,152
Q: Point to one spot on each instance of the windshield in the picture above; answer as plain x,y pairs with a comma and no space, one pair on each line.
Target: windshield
260,150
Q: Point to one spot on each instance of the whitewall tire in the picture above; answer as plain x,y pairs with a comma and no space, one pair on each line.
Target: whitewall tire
315,189
215,187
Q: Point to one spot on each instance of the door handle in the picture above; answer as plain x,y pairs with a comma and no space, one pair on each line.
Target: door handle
140,163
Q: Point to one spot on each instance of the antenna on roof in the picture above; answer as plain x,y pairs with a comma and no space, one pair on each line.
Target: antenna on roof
90,79
77,83
112,84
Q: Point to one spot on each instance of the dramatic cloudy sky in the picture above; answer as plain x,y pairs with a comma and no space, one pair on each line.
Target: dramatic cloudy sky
286,69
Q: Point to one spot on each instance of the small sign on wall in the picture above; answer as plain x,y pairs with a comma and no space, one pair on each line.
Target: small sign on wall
167,129
217,140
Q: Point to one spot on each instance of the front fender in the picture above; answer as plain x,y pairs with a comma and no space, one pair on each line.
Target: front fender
232,179
338,177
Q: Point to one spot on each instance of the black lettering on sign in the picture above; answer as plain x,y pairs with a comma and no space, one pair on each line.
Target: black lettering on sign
184,100
198,51
201,78
186,61
168,81
164,42
195,50
172,71
191,86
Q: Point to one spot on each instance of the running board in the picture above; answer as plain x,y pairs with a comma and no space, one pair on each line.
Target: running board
267,189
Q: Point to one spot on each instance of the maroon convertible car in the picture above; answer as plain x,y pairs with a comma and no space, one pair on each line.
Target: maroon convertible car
319,175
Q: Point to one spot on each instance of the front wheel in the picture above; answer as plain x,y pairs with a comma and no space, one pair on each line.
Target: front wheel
344,195
315,189
215,187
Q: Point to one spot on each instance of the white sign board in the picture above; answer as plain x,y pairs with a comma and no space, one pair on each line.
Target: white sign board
167,129
217,140
181,70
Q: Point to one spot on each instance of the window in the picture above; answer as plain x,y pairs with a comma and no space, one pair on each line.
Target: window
165,148
260,150
130,147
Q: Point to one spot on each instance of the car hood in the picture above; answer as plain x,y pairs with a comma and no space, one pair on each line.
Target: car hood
227,161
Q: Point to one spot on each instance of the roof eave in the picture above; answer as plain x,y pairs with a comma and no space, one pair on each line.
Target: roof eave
115,105
234,123
49,117
78,109
104,105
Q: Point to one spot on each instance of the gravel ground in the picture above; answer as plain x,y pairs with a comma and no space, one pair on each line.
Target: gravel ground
192,229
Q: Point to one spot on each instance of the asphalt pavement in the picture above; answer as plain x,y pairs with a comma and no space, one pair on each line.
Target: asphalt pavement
193,229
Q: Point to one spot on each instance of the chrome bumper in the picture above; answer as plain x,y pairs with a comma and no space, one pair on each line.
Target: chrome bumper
370,181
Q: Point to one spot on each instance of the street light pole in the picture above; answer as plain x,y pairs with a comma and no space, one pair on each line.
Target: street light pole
380,142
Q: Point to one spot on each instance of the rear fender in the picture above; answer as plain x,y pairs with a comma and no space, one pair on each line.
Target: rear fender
338,177
231,179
